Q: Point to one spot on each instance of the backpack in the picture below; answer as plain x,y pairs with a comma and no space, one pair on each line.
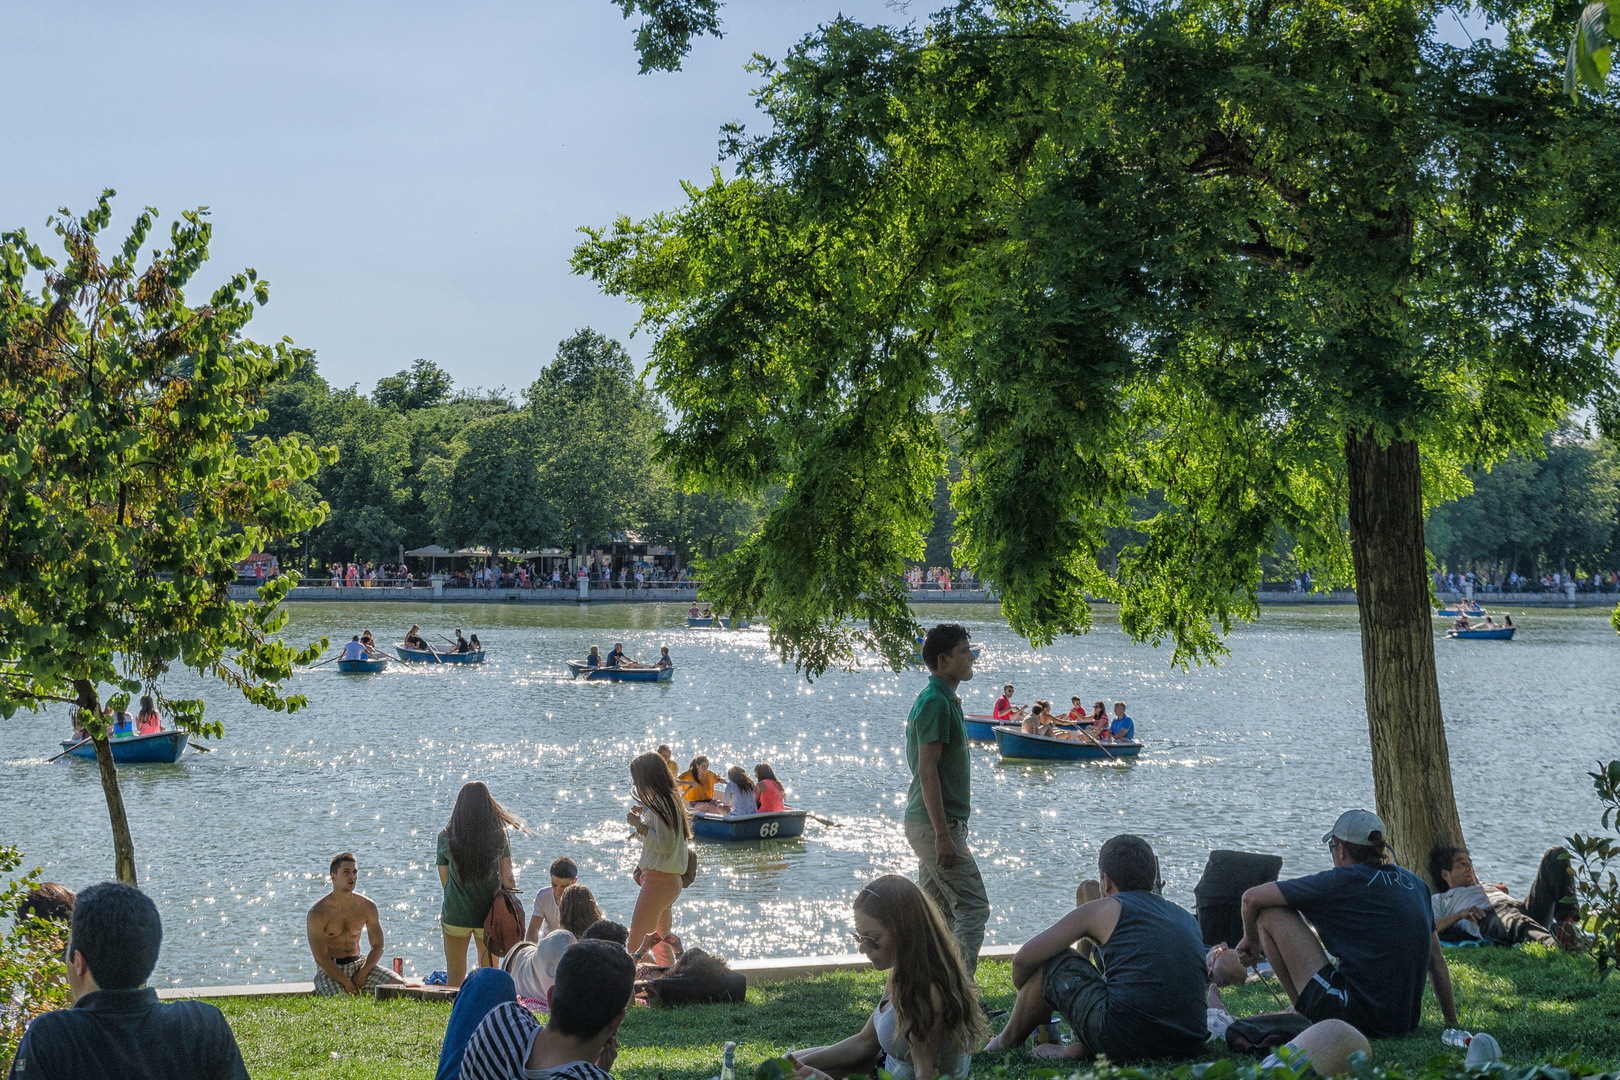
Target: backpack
505,923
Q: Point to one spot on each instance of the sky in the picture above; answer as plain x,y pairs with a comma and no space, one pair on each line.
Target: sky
409,177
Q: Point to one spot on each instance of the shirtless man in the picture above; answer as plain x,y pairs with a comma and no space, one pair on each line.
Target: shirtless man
334,924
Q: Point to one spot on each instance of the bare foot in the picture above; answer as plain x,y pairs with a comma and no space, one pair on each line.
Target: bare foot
1055,1052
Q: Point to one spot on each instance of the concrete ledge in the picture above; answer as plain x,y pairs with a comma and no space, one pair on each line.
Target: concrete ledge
771,969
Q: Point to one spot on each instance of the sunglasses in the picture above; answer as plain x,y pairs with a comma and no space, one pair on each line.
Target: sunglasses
865,941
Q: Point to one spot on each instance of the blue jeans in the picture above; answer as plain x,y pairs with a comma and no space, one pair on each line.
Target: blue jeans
480,992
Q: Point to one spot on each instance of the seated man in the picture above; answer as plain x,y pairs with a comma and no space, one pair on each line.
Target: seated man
663,657
333,927
353,649
1470,911
117,1028
1123,729
616,657
490,1034
1150,1004
1372,914
1003,709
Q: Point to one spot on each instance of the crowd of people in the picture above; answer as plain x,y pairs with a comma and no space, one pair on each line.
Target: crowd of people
1515,582
1129,971
1039,718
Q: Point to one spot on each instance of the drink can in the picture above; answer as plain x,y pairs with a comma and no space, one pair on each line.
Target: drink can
399,965
1048,1032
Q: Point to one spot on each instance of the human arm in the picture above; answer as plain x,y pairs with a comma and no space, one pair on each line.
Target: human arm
374,934
928,754
508,878
1440,977
535,920
1095,920
1255,901
1446,922
853,1052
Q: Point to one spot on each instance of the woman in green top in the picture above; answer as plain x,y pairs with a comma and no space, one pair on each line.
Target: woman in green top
474,860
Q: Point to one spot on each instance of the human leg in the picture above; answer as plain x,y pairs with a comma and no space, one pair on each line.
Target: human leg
958,892
1292,949
455,954
484,989
1510,922
1552,896
1328,1046
652,912
1069,984
1029,1011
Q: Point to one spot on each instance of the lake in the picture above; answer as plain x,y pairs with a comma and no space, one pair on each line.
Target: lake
1260,753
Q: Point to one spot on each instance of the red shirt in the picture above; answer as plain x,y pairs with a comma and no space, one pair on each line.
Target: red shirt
1003,708
769,796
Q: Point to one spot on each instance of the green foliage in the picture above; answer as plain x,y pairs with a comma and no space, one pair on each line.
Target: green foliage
1595,883
1556,507
1590,47
32,976
489,494
1192,249
426,384
666,37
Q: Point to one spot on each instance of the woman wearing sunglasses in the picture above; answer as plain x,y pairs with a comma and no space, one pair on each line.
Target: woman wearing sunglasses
928,1023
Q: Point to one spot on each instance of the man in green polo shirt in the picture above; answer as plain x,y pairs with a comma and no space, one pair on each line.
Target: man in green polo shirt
938,805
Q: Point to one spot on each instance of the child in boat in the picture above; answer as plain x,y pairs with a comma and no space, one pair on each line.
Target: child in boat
1077,711
697,784
770,796
740,797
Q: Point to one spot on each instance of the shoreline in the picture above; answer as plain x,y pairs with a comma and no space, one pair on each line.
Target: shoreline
770,969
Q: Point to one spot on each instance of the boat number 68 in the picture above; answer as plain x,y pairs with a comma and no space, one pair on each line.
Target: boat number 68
769,828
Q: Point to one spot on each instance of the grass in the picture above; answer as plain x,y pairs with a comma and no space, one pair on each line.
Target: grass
1539,1003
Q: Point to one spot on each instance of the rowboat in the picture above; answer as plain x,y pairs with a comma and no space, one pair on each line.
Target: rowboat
716,620
1014,744
778,825
621,674
165,748
1466,609
379,664
1499,633
981,727
434,656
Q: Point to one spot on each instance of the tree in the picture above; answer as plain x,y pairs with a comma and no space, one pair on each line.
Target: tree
1293,267
594,429
490,494
126,502
425,385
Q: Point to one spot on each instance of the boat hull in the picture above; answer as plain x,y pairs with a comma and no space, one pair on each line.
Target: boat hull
609,674
164,748
1504,633
352,666
722,623
1014,744
779,825
981,728
433,656
1452,613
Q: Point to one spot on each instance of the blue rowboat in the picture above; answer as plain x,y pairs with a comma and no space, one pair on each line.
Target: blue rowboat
380,664
434,656
1014,744
163,748
779,825
621,674
698,624
723,623
981,728
1452,613
1500,633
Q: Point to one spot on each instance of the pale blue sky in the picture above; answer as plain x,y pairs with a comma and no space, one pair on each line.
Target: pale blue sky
408,176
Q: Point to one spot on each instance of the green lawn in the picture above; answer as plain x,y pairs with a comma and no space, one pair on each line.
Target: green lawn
1538,1003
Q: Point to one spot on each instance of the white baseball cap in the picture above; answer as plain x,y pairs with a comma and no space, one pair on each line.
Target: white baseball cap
1356,827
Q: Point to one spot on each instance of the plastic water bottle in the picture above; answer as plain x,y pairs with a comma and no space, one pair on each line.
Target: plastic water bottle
728,1062
1456,1037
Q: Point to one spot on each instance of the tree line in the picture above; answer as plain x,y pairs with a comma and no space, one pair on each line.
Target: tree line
570,464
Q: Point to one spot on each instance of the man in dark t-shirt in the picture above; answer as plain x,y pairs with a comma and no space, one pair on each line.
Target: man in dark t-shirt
1148,1001
1371,914
117,1028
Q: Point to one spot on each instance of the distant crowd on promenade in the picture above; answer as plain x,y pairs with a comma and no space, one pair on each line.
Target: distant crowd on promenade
1135,976
1514,582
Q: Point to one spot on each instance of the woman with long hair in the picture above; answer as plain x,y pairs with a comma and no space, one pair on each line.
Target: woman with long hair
928,1023
771,796
475,859
741,796
577,910
147,721
697,783
660,820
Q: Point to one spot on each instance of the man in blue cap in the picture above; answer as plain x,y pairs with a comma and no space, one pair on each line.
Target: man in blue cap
1372,914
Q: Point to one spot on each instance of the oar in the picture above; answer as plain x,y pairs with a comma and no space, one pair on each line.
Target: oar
70,749
1097,744
829,822
323,663
200,749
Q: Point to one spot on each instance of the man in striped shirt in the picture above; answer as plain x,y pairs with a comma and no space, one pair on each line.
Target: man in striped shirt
595,980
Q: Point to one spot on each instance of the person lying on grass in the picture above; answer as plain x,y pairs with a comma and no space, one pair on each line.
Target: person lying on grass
1149,1004
1373,915
928,1021
1470,911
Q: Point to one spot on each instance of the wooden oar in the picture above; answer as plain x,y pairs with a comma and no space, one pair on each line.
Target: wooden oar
69,750
1097,744
323,663
829,822
200,749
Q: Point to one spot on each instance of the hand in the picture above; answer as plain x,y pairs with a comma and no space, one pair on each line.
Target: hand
609,1052
635,875
674,943
1247,953
633,817
356,986
944,850
806,1072
1477,914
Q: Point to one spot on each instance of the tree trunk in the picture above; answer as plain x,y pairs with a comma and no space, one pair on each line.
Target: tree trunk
123,845
1410,761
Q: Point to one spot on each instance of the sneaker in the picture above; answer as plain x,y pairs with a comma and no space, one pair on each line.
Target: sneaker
1482,1050
1569,935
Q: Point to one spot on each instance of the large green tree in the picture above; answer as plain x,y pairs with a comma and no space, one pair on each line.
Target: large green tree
1293,267
489,494
124,499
